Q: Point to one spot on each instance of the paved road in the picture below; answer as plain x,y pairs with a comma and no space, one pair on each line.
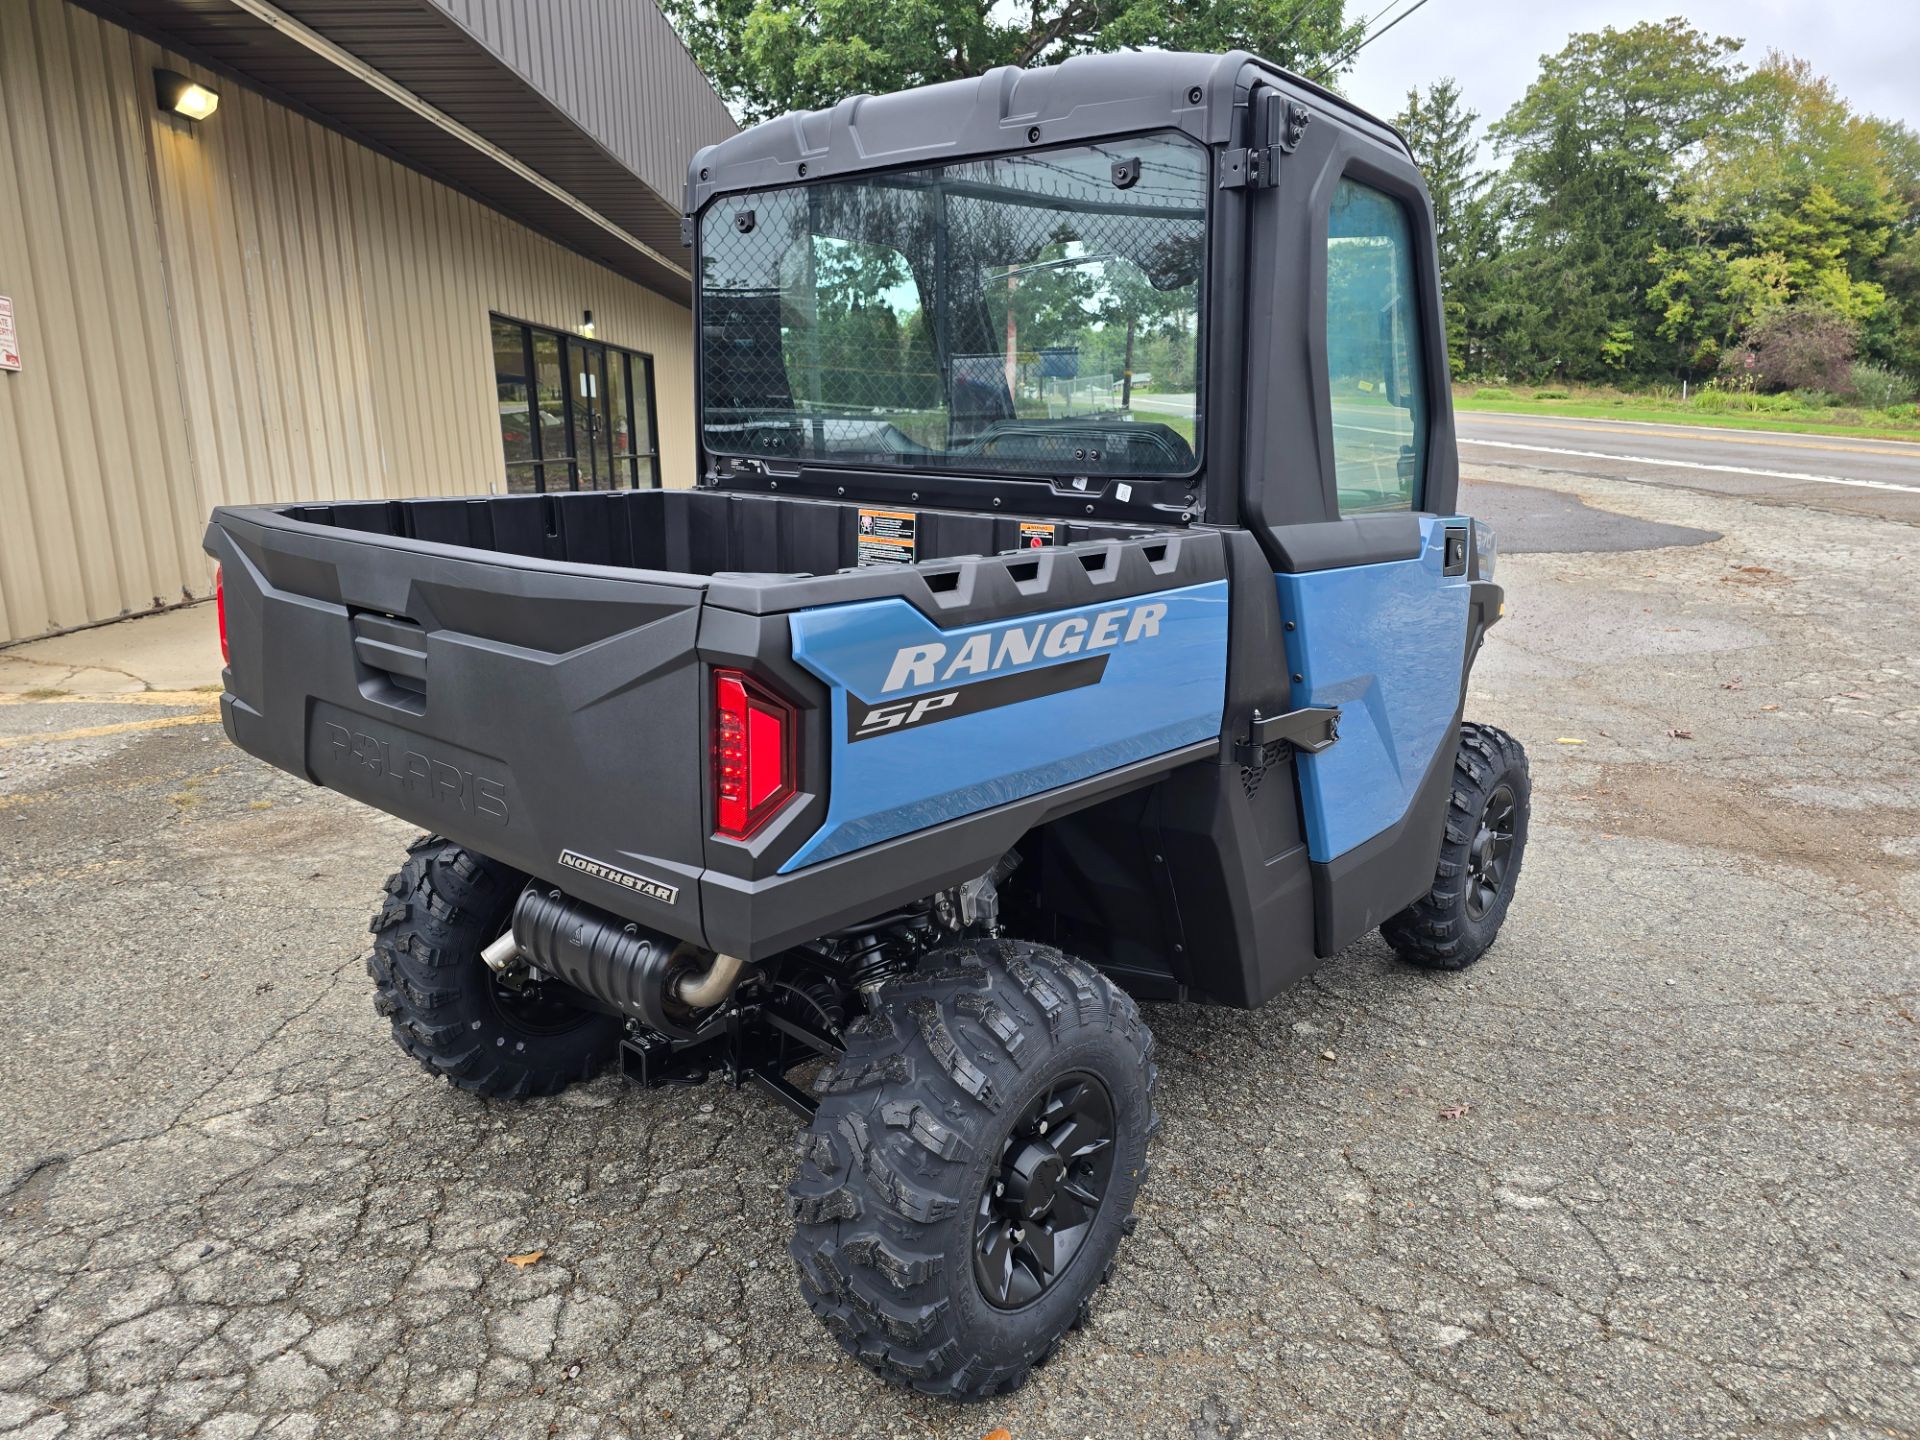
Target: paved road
1645,1171
1834,472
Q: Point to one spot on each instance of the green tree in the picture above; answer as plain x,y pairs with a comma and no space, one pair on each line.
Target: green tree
1598,146
1440,132
767,56
1792,199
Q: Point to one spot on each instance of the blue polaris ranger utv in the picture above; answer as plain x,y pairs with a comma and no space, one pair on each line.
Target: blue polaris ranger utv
1071,610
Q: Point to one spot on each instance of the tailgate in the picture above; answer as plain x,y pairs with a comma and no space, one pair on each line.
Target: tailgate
546,715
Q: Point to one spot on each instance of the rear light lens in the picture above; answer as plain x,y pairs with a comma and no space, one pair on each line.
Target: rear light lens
220,608
754,747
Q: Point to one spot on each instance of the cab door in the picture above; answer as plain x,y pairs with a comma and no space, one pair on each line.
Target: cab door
1381,640
1351,488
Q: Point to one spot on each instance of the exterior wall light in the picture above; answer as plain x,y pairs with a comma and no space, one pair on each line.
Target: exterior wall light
586,324
182,96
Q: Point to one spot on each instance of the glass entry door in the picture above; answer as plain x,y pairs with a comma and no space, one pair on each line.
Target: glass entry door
592,435
575,414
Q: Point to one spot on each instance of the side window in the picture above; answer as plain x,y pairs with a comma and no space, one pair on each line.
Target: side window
1373,353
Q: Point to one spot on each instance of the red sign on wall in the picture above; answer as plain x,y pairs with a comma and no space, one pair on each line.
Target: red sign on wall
9,337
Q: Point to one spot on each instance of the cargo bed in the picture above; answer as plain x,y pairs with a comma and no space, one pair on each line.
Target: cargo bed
692,532
530,675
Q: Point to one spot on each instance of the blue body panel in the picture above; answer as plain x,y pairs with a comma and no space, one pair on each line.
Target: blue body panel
1385,644
1157,693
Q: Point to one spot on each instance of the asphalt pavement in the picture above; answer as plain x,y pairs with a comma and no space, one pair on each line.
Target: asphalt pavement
1647,1170
1833,472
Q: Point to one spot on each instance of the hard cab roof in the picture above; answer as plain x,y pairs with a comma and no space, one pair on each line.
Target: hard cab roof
1085,98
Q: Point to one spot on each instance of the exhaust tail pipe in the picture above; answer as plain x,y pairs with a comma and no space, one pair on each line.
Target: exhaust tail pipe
656,980
704,991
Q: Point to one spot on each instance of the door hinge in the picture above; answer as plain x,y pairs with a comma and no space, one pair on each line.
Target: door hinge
1245,168
1279,124
1310,730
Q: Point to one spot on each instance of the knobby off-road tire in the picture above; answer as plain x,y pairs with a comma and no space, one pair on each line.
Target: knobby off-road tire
943,1093
448,1010
1453,924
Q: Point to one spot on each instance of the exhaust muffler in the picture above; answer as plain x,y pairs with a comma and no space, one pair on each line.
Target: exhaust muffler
661,982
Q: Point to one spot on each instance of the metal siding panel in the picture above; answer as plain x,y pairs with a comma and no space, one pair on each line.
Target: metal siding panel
63,461
156,376
584,56
26,597
306,270
345,207
68,244
265,312
290,314
137,513
386,320
295,363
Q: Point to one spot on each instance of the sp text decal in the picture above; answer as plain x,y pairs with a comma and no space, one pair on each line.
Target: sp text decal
890,717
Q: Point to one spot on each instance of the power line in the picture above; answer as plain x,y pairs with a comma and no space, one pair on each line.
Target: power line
1367,37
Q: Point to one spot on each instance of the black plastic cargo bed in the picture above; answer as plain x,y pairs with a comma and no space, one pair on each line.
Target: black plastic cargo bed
689,532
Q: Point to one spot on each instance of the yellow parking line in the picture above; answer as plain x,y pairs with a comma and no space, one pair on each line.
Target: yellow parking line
199,699
88,732
1733,436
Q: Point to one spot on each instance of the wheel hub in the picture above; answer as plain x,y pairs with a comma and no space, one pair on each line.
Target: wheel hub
1490,854
1040,1203
1032,1179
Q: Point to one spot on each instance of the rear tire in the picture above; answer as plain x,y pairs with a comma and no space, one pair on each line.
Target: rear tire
1453,924
448,1010
998,1063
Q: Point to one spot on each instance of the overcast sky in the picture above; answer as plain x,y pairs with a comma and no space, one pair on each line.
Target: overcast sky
1869,48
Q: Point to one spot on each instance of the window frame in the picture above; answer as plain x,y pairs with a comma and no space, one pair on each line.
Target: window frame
1365,163
635,478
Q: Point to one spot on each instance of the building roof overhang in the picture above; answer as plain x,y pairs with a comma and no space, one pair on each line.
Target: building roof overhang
407,78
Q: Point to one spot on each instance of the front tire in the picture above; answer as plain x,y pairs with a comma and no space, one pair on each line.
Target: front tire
973,1165
448,1009
1486,838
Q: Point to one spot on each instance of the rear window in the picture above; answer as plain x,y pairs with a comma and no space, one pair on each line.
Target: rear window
1032,313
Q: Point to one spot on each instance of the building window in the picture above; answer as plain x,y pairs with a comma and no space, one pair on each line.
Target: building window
1373,353
574,414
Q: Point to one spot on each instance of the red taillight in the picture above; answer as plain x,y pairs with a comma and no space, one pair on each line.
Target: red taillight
220,608
754,735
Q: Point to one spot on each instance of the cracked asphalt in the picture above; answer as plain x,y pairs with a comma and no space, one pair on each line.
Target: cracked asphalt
1648,1170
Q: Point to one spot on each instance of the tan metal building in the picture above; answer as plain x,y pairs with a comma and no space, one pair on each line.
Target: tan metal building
418,247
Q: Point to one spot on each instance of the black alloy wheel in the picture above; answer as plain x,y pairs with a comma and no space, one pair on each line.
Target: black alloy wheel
1041,1201
972,1168
1482,849
1490,852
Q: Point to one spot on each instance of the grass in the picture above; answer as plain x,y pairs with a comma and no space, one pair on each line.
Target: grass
1767,412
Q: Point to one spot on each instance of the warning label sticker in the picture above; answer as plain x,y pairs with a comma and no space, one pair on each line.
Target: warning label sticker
885,538
1038,534
9,337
